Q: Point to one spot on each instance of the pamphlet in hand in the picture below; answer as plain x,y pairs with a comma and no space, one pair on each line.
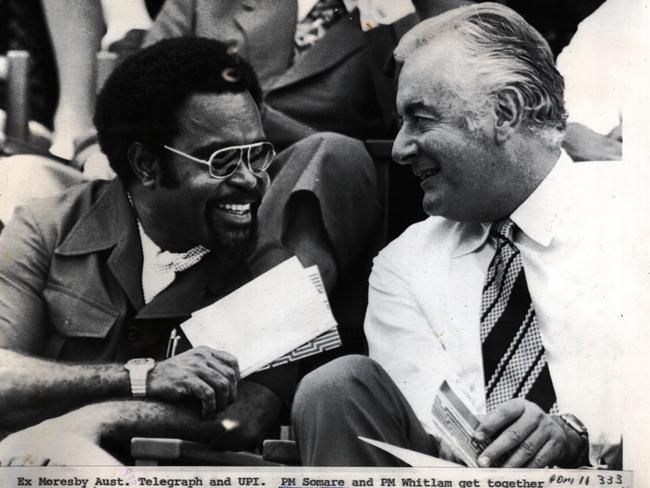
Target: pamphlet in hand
457,424
282,315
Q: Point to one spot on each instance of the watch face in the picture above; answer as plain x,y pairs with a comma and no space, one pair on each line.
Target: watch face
139,361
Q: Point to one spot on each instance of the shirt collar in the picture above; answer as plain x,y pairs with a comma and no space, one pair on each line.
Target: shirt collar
150,250
470,237
537,217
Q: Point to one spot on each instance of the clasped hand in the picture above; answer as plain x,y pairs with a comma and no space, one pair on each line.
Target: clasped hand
202,372
525,436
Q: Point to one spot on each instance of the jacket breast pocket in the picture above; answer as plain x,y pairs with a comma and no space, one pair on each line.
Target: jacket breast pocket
75,319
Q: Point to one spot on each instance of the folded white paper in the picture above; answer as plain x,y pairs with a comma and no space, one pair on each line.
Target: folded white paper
267,318
412,458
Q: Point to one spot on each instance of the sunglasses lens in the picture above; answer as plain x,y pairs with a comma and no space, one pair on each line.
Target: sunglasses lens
225,161
260,156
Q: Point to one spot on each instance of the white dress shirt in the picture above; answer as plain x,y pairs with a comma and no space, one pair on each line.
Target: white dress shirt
423,317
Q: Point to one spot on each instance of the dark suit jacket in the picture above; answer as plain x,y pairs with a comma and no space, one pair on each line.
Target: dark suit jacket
71,289
337,85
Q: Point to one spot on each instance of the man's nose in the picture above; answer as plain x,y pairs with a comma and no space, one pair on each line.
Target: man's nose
404,147
244,176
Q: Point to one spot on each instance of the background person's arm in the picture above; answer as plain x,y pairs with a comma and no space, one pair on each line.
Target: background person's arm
281,129
585,144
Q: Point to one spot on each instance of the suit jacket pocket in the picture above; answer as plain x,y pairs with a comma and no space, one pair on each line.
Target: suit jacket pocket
80,328
75,316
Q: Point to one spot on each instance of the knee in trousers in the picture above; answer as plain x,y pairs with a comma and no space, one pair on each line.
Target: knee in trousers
336,378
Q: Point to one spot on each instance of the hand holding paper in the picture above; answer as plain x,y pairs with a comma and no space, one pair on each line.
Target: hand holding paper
268,318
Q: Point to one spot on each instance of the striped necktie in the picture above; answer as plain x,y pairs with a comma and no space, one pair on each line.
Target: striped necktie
514,361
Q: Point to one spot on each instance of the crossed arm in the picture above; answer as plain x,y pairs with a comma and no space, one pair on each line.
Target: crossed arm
73,438
33,390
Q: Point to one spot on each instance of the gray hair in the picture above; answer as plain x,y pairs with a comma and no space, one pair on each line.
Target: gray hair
504,51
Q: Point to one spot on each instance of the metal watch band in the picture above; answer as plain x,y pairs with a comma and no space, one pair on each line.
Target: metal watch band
138,387
582,458
139,369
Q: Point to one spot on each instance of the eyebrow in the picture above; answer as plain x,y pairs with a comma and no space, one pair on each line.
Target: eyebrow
414,107
213,146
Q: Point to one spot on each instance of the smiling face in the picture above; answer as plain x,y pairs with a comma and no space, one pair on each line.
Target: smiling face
450,148
192,207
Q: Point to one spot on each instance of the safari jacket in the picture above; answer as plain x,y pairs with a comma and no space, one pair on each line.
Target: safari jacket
70,284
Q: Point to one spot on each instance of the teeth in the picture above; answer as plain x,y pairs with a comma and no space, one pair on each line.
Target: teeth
236,208
427,173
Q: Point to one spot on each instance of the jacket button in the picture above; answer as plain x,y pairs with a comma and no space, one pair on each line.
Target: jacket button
132,333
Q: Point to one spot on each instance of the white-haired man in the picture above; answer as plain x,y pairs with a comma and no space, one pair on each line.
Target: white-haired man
507,292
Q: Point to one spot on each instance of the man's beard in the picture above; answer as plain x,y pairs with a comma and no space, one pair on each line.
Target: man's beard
237,245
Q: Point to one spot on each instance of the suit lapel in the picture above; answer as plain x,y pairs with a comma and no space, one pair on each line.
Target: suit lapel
196,288
125,262
341,40
268,28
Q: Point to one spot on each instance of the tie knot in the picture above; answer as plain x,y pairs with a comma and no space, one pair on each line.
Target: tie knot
504,228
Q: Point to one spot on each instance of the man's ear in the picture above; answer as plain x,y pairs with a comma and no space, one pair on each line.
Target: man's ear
143,163
508,107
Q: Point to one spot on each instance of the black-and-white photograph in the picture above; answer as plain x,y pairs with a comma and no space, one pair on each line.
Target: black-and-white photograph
318,233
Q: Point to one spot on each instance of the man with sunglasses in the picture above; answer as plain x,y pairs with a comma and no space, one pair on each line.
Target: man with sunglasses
95,280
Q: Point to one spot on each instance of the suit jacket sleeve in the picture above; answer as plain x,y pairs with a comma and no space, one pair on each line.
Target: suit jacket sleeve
282,129
176,19
24,262
281,380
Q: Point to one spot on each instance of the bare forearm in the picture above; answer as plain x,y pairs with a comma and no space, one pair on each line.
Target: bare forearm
241,425
33,389
584,144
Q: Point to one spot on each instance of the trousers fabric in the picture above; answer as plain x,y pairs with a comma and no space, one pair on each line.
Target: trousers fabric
349,397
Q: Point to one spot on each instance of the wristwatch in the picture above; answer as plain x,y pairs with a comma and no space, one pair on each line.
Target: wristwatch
138,369
582,458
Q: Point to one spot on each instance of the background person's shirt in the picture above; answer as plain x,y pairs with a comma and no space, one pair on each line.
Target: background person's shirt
598,64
